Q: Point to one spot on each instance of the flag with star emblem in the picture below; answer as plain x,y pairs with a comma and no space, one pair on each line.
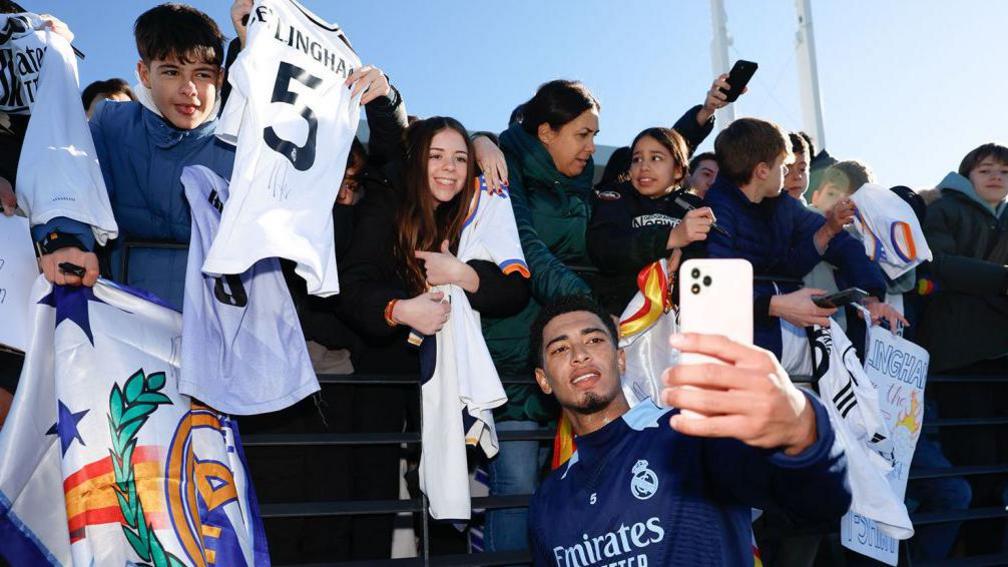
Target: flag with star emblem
102,461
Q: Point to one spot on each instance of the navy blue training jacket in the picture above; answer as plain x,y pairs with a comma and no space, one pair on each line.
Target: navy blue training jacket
639,494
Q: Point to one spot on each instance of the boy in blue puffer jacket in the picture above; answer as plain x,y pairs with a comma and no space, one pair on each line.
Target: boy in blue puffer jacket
142,148
781,238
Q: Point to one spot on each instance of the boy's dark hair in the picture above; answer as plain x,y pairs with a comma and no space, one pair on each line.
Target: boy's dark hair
808,142
556,103
746,143
106,87
177,31
695,162
567,304
972,159
857,173
799,145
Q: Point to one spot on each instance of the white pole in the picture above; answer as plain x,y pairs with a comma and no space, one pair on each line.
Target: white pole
808,75
719,54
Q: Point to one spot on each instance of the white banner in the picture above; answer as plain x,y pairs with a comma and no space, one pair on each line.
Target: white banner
18,269
898,368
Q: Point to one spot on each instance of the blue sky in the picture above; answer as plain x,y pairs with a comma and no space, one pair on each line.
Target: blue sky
908,86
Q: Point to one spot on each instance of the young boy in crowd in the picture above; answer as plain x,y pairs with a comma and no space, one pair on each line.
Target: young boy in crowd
142,148
110,89
965,325
703,169
796,181
781,238
838,182
965,230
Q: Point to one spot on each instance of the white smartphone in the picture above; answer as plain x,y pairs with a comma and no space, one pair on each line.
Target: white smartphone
715,297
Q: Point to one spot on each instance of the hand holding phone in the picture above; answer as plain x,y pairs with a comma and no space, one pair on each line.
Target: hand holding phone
840,298
739,76
716,298
752,399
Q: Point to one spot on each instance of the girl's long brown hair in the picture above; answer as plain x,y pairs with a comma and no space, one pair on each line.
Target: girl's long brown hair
422,224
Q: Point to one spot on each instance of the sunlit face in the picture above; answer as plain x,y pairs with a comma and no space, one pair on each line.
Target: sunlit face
184,93
828,195
796,181
582,365
990,180
447,165
701,179
653,171
775,176
118,97
573,144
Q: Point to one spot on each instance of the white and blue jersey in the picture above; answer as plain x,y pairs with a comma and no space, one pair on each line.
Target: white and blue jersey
639,494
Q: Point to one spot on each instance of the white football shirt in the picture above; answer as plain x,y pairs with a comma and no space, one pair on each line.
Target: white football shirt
293,120
243,349
58,172
890,231
463,387
22,46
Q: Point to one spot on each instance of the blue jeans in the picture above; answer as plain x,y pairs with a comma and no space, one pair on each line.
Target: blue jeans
515,470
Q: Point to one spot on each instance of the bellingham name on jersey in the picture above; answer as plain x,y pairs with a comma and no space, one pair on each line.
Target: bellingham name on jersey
303,41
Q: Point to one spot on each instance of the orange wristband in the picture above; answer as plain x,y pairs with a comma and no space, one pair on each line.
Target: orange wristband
389,307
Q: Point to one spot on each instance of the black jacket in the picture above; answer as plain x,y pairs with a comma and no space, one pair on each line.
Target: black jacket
627,232
966,320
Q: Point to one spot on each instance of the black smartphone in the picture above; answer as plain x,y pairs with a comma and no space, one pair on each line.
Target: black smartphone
72,269
739,77
840,298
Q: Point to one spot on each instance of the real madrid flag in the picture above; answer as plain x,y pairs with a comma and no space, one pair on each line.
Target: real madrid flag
102,461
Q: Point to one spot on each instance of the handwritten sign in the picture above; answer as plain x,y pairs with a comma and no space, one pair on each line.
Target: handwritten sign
18,270
898,368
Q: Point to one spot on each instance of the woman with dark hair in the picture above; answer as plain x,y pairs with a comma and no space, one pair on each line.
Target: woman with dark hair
646,218
405,239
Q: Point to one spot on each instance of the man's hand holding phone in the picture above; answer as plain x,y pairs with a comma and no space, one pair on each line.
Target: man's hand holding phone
50,264
748,397
799,309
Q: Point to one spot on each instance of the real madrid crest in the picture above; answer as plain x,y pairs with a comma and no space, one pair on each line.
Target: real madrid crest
644,482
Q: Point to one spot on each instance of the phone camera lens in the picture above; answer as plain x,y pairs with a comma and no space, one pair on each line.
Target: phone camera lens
695,289
707,281
695,273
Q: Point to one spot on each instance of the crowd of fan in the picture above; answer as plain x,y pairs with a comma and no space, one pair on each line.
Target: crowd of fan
782,204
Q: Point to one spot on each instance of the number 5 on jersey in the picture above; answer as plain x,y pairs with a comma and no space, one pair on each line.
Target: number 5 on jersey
301,157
